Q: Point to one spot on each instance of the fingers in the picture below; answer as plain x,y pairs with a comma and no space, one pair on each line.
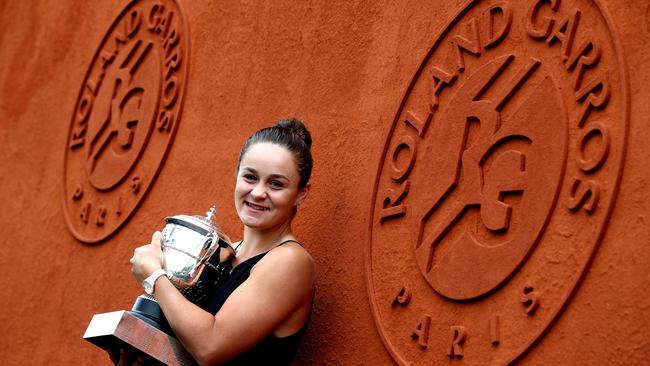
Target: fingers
138,361
156,238
114,355
123,358
147,258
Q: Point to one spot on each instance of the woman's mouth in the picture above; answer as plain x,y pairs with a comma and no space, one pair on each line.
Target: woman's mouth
255,207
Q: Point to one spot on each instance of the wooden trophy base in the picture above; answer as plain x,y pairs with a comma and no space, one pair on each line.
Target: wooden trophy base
123,329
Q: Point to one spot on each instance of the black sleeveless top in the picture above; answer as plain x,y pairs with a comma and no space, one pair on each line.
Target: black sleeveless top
271,350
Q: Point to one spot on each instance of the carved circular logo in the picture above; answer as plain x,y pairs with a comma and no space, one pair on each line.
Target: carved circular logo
497,180
125,117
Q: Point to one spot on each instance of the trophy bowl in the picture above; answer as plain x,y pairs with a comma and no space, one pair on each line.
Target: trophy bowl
188,244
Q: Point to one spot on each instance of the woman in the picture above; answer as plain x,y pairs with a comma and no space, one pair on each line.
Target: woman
260,313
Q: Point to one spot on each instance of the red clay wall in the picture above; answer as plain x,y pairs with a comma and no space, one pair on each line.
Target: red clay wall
345,68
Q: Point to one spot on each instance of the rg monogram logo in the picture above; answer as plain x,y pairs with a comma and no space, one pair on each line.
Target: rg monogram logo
505,170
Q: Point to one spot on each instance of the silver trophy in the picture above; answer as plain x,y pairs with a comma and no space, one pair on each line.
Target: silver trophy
196,258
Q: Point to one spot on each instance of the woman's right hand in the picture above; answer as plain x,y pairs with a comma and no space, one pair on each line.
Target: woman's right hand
147,258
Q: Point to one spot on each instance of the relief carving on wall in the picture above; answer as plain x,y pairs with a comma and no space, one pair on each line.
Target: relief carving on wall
498,177
125,117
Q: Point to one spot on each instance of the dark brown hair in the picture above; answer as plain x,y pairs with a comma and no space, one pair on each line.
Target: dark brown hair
291,134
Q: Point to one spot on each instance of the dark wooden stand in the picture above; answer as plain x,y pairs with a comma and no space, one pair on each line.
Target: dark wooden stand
122,329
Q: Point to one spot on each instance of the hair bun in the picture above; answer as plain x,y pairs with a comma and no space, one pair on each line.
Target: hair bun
296,128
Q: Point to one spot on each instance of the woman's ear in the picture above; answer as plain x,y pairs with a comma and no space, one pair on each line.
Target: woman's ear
302,193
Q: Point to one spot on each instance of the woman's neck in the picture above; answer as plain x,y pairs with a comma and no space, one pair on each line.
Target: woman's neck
258,241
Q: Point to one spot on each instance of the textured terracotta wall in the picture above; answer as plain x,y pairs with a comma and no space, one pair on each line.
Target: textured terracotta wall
344,67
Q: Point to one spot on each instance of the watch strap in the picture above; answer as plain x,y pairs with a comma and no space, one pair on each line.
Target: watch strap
151,280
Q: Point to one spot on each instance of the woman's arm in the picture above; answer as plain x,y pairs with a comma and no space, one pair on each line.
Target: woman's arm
279,286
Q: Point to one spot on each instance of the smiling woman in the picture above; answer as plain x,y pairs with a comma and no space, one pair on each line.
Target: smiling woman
261,311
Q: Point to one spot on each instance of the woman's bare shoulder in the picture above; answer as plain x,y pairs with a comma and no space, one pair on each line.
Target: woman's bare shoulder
288,259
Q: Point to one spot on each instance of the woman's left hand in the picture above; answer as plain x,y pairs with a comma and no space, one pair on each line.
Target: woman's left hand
147,258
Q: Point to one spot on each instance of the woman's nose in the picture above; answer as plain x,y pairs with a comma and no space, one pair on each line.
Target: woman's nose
258,191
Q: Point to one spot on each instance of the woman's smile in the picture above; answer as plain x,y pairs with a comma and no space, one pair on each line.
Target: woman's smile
255,207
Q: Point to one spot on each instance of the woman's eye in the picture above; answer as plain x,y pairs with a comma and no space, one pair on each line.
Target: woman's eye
249,177
276,184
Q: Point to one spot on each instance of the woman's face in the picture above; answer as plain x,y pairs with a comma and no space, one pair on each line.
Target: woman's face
267,187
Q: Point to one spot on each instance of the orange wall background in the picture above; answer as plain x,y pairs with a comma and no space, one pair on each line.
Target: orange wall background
343,67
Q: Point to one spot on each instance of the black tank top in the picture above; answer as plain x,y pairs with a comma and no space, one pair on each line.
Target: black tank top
271,350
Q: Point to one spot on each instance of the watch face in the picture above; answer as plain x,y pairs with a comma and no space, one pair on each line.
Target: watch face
148,287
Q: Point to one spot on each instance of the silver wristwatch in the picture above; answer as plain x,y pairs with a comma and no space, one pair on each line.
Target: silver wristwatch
149,282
